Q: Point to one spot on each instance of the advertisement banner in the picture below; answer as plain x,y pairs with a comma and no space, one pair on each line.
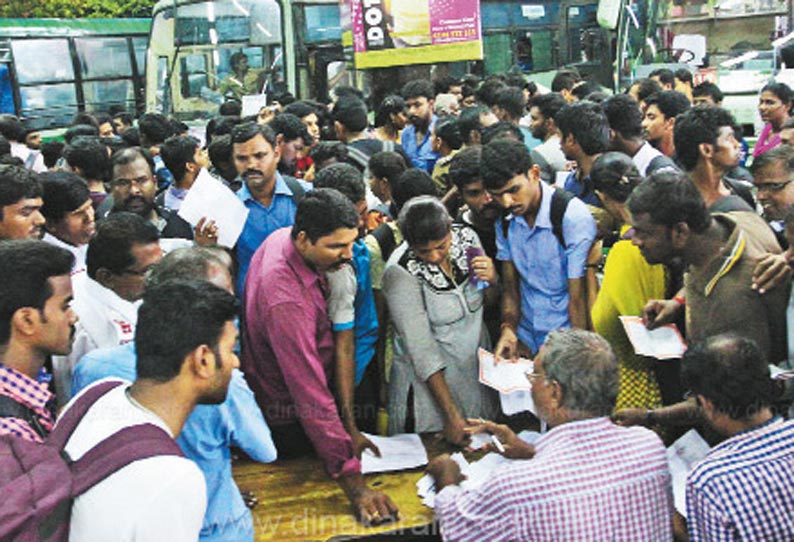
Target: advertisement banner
384,33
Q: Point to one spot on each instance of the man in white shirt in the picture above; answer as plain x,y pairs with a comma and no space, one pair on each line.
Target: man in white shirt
178,367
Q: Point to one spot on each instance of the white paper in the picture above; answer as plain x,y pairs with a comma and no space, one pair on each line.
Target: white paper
530,437
681,457
518,401
426,486
210,198
664,342
504,376
398,452
780,374
478,440
252,104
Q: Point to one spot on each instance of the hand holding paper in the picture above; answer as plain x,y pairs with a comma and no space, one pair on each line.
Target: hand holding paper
209,199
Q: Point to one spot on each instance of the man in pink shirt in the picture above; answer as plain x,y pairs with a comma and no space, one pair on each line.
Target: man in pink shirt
288,346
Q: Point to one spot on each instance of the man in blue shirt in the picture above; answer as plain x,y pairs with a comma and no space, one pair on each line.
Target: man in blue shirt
584,130
210,429
543,275
270,198
415,139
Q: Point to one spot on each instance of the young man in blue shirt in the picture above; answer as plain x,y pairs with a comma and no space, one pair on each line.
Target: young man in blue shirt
415,139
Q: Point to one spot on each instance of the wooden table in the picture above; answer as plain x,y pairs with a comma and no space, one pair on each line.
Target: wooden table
299,502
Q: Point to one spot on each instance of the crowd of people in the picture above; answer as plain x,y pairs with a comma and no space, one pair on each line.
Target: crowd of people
375,261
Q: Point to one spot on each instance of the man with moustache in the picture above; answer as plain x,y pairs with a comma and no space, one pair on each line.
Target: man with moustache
288,343
271,198
20,204
36,321
415,139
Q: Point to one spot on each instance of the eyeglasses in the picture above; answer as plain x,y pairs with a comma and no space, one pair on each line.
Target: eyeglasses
773,187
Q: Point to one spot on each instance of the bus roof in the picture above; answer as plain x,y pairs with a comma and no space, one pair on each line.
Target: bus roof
21,28
166,4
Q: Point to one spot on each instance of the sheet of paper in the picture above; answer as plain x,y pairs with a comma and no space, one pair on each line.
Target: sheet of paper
518,401
398,452
425,486
479,440
252,103
664,342
505,377
780,374
681,457
210,198
529,436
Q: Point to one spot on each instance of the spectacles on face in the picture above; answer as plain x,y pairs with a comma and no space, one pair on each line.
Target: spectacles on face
773,187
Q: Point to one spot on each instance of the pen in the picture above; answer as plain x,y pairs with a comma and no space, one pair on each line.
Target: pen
498,444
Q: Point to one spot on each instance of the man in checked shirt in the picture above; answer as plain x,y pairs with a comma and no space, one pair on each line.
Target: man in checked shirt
586,479
36,321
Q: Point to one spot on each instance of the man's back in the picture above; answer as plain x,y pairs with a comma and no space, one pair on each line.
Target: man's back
155,499
744,488
590,480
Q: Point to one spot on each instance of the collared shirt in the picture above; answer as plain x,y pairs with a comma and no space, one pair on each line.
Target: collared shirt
584,189
544,266
205,439
288,349
79,253
422,155
742,490
262,221
173,197
29,393
589,480
643,158
351,305
719,294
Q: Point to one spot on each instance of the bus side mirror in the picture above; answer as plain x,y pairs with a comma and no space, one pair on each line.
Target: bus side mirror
609,13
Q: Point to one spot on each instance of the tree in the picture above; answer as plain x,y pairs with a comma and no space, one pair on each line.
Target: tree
70,9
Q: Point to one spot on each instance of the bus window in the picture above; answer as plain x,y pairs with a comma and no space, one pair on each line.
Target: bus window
524,53
103,57
39,61
139,48
100,95
6,93
498,50
194,75
46,106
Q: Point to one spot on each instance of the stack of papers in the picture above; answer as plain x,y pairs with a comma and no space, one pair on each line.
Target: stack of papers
510,380
398,452
664,342
682,457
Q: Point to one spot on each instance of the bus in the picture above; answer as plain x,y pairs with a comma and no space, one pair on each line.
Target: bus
296,45
52,69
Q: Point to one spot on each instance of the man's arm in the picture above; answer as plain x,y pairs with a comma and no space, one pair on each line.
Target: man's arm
507,346
247,427
579,231
577,303
345,383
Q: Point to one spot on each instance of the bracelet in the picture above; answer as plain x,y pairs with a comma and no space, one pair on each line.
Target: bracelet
591,266
681,300
650,418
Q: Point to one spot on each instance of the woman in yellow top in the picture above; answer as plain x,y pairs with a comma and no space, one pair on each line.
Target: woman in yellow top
629,282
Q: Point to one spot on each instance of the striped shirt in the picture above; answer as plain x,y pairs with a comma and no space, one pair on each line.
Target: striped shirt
29,393
589,480
744,488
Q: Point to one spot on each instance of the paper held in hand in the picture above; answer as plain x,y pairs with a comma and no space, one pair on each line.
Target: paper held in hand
397,452
505,376
664,342
210,198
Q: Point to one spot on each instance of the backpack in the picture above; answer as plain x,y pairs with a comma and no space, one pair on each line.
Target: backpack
361,159
384,235
559,204
39,482
297,190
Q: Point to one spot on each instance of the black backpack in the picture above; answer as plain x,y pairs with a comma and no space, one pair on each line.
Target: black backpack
297,190
559,204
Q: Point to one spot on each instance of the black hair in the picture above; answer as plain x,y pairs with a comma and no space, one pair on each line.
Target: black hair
447,130
51,151
78,130
731,372
129,155
442,84
391,105
418,88
63,192
646,87
565,79
202,310
323,211
236,58
624,116
501,130
345,91
782,91
344,178
516,80
670,103
86,118
124,117
616,175
290,128
326,150
670,197
701,124
783,154
103,118
548,104
350,113
464,168
501,160
300,109
220,150
12,128
5,146
684,75
488,91
132,136
424,219
90,155
154,128
469,119
231,108
584,89
589,125
387,165
178,127
511,100
249,130
707,88
26,265
411,183
17,183
111,247
666,77
176,152
221,125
